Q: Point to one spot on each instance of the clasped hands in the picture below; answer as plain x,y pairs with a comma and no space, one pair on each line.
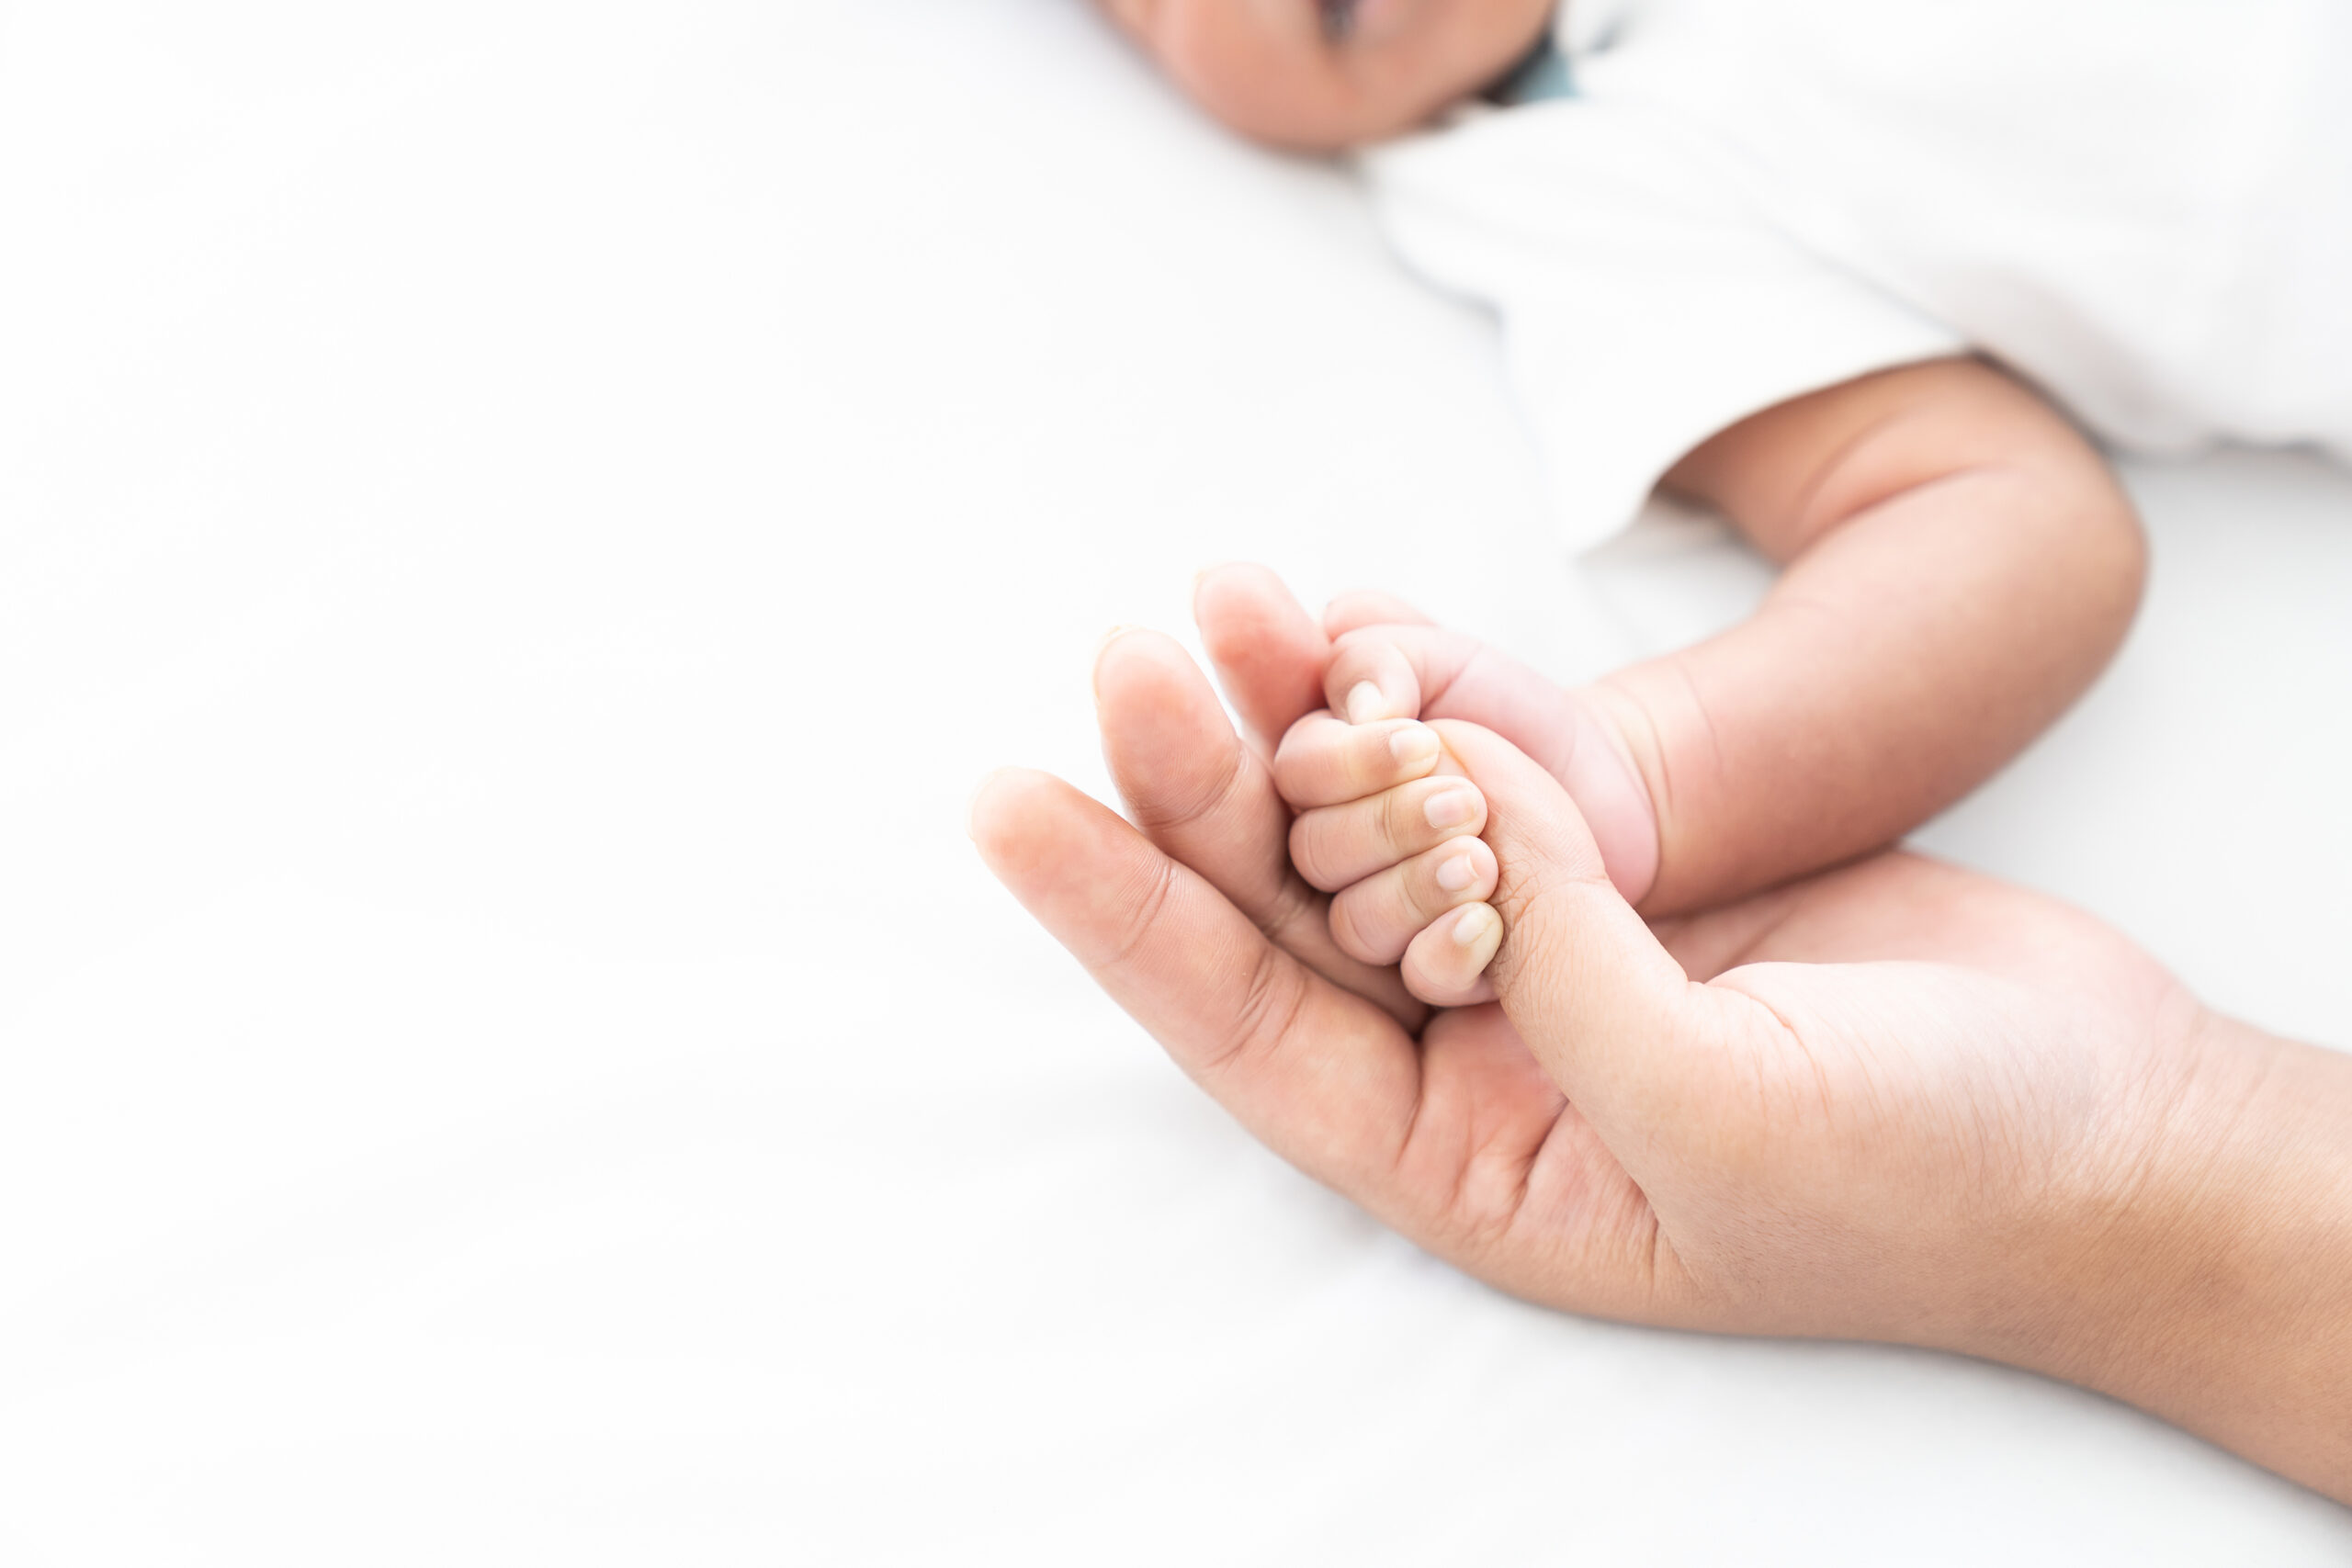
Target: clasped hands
1895,1101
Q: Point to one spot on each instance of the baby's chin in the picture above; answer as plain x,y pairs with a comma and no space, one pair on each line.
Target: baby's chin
1298,117
1292,97
1275,78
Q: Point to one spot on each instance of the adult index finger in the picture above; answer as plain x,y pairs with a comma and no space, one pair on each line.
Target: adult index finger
1324,1077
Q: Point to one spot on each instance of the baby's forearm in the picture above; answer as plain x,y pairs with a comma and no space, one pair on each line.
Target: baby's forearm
1963,566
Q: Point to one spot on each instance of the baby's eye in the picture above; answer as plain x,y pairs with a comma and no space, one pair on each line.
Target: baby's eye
1339,18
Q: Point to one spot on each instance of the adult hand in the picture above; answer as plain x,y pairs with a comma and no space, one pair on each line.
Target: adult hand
1897,1101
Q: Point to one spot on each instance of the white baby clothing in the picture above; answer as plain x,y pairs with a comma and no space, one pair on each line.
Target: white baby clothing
2142,206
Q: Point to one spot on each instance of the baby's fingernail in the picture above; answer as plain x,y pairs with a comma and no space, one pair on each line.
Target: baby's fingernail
1413,745
1473,924
1364,702
1458,872
1450,808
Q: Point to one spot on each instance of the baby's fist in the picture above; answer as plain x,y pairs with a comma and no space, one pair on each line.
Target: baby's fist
1388,825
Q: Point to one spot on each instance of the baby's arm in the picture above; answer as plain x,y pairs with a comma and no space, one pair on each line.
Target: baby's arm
1959,566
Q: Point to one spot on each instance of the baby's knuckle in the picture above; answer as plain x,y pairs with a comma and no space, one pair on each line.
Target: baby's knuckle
1306,848
1401,817
1420,900
1302,731
1348,932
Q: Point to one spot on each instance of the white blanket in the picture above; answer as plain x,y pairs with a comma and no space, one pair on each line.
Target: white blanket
520,526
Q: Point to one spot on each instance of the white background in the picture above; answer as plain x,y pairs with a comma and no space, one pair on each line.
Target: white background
520,527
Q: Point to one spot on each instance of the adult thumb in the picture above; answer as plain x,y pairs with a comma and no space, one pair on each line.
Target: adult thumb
1610,1015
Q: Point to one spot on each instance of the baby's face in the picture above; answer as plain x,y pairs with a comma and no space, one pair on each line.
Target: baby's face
1322,74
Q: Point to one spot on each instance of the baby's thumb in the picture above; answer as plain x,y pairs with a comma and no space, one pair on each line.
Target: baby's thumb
1607,1013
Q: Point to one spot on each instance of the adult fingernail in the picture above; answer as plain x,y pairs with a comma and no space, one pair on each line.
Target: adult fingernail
972,806
1450,808
1364,702
1458,872
1203,576
1413,745
1094,665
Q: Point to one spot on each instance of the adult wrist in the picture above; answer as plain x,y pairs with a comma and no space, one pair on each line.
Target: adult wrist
2201,1268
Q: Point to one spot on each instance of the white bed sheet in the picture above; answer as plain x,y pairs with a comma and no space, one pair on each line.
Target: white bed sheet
520,526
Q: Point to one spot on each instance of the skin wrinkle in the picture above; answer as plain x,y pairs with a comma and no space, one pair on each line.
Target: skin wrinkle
1350,941
1647,744
2125,1204
1445,682
1995,1138
1522,1166
1517,1164
1726,1053
1152,816
1398,812
1302,839
1148,911
1656,764
1709,729
1570,1138
1911,441
1272,972
1300,901
1804,601
1512,1213
1787,1036
1294,900
1401,1151
1810,527
1454,1208
2029,484
1658,1242
2112,1219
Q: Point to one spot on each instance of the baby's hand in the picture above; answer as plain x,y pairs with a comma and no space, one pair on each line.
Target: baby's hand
1389,826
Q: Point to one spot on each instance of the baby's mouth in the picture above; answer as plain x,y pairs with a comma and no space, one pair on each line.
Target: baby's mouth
1359,22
